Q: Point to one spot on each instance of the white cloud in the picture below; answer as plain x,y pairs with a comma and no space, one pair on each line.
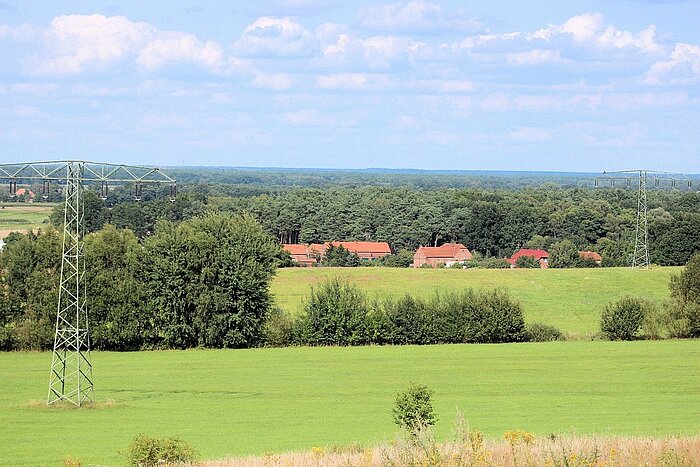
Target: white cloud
683,66
376,52
533,57
24,32
176,47
414,16
352,81
77,42
272,36
588,29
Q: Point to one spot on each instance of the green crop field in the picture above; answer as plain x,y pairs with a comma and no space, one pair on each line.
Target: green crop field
571,299
24,216
229,402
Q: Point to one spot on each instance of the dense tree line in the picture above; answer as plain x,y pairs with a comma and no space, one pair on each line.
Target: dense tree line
201,282
493,214
493,223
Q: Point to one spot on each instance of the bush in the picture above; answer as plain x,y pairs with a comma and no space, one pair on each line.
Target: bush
278,328
653,323
404,321
539,332
8,338
336,314
623,319
147,451
684,314
528,262
494,317
682,319
413,408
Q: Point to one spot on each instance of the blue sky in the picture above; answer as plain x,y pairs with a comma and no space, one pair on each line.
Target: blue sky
502,85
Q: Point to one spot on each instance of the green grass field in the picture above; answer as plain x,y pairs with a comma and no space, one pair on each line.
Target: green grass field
571,299
24,216
229,402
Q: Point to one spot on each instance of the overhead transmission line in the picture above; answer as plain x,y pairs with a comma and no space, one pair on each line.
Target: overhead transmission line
71,367
640,178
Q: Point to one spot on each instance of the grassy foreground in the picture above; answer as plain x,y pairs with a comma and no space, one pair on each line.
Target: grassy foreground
570,299
240,402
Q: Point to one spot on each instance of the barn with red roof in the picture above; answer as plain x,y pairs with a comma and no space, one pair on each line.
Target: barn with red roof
444,255
540,255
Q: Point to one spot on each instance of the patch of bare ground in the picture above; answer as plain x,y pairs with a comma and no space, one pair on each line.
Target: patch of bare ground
517,449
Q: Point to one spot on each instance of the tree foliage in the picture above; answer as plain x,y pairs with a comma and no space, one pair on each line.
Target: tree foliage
208,279
623,319
413,408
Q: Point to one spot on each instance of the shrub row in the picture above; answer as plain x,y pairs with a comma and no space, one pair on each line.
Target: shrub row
338,313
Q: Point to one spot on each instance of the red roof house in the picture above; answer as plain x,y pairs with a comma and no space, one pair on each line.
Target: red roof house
445,255
25,191
300,254
365,250
590,255
540,255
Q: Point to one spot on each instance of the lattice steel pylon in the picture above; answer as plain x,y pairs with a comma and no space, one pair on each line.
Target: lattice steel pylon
640,257
71,366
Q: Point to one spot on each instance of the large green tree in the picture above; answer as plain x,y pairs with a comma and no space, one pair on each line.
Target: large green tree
208,281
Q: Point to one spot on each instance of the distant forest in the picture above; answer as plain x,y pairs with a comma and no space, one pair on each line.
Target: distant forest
492,213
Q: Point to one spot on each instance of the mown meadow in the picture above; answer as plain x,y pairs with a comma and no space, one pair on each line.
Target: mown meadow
239,402
570,299
23,217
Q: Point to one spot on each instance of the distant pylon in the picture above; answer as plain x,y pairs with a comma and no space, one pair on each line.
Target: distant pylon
641,232
640,257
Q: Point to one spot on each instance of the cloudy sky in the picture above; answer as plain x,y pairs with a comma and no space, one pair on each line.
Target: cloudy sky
499,85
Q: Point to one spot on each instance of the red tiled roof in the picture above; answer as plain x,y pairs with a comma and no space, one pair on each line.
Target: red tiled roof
354,247
590,255
448,250
364,247
295,249
23,191
537,254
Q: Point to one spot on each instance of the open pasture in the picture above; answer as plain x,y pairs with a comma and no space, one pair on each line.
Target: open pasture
570,299
238,402
23,217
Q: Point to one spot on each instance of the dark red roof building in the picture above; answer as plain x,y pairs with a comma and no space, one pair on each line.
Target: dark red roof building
590,255
445,255
540,255
365,250
300,254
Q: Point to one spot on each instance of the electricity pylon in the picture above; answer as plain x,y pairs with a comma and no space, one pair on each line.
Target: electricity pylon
71,367
640,258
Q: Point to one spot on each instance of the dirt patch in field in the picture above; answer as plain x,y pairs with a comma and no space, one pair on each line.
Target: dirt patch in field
5,232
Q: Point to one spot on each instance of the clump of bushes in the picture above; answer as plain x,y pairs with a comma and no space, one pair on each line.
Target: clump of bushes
338,313
623,319
539,332
8,338
684,313
146,451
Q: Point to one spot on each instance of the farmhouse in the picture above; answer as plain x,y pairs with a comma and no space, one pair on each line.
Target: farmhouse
300,254
25,192
591,256
540,255
365,250
445,255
